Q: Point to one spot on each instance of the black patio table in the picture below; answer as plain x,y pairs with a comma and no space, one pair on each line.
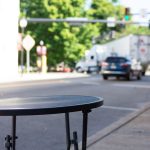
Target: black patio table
50,105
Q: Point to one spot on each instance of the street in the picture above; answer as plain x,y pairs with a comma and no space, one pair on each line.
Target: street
121,98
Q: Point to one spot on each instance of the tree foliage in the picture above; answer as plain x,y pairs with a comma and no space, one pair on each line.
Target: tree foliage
64,41
63,38
102,9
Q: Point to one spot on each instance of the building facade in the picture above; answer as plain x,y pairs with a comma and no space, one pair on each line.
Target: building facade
9,14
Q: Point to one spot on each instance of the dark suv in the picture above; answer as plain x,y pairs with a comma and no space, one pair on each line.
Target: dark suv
121,67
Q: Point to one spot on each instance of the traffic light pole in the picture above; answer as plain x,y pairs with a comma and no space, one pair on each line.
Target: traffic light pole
47,20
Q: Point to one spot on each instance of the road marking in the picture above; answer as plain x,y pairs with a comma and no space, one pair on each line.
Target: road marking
133,85
120,108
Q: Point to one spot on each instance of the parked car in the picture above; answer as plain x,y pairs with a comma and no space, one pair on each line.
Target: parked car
121,67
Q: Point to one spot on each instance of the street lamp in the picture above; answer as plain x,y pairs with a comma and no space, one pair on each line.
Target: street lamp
23,23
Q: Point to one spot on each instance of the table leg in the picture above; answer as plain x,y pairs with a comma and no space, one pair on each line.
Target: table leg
13,132
8,143
84,129
67,131
74,141
10,140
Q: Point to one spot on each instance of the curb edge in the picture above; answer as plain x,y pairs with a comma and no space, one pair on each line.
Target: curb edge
115,126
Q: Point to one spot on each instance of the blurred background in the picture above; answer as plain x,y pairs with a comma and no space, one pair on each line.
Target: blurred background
66,36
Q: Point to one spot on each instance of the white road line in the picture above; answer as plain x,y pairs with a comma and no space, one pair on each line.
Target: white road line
120,108
133,85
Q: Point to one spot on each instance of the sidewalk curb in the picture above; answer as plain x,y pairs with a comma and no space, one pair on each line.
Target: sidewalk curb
110,129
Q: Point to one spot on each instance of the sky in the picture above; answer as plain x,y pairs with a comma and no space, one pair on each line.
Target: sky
136,5
139,7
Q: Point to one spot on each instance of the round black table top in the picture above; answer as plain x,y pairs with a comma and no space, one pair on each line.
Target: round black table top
48,105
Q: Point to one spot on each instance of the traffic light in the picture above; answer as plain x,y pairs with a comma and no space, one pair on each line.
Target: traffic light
127,14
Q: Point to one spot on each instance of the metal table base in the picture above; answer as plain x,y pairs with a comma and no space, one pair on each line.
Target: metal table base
74,141
10,140
54,104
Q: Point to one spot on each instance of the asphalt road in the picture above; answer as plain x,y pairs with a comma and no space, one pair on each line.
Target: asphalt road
48,132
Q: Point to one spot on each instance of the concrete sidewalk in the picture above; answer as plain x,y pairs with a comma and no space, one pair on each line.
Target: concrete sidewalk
41,76
129,133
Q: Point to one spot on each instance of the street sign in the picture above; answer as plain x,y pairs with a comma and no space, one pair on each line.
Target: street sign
111,22
28,43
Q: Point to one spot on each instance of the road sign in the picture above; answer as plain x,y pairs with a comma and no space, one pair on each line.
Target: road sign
28,43
111,22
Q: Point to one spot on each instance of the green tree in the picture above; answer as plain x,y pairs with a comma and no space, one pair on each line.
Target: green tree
34,9
65,42
132,29
102,9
